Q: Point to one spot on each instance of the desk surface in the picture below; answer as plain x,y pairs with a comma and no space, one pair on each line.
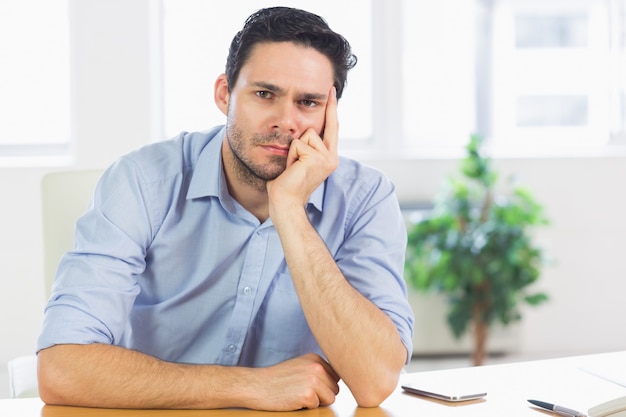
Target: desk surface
577,382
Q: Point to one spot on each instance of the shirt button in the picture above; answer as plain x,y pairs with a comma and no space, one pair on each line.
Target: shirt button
247,290
232,348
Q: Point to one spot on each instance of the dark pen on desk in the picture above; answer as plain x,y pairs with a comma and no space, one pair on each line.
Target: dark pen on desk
560,410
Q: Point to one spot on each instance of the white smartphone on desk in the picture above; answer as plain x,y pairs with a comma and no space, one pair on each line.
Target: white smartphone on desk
449,393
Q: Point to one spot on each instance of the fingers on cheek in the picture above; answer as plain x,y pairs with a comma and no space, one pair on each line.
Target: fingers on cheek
315,142
295,148
302,139
293,154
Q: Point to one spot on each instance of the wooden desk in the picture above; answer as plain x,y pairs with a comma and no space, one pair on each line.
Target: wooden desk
566,381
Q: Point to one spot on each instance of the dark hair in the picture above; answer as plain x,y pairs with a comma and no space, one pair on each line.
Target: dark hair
285,24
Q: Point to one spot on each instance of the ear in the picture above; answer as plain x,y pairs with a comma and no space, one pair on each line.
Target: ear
221,94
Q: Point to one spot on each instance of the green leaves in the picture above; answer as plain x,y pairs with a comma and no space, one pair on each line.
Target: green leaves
536,299
475,166
477,247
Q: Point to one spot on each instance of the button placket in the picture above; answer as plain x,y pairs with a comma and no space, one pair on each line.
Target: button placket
244,304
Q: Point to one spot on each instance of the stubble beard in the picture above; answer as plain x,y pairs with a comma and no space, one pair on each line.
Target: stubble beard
246,169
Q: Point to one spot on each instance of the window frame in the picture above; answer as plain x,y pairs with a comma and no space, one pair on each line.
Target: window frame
57,152
387,138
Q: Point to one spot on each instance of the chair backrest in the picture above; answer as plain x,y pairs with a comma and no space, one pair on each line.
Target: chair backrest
65,196
23,377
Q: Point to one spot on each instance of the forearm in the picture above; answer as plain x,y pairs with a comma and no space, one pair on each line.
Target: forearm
109,376
113,377
359,340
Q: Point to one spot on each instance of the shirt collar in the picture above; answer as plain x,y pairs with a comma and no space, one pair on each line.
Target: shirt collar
208,175
208,178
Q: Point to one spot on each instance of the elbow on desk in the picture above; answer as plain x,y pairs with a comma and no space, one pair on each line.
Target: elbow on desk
46,383
49,396
52,381
372,388
373,398
374,394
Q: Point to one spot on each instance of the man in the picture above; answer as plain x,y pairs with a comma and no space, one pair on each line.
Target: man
248,266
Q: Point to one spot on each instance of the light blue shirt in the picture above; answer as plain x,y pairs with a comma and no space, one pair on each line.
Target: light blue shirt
166,262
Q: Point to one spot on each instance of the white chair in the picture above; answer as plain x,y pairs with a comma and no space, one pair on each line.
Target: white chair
23,377
65,196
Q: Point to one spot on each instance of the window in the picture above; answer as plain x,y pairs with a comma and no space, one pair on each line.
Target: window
34,78
197,35
439,73
541,77
562,30
554,110
550,66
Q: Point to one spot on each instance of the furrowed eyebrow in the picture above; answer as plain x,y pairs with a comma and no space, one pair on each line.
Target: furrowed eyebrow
268,86
276,89
314,97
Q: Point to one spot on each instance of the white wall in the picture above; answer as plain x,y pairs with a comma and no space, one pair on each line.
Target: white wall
111,84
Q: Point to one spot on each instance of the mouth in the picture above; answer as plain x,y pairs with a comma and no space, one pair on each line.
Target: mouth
276,149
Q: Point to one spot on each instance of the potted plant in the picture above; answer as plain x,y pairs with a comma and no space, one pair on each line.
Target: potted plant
476,248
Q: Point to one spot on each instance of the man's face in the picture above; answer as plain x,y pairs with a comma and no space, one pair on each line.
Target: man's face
282,90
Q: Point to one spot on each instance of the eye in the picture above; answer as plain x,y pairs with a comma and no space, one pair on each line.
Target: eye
309,103
264,94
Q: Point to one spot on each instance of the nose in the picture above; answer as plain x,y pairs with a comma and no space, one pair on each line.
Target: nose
285,120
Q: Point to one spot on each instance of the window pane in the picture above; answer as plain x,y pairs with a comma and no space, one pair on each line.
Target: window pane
438,84
34,72
197,35
551,31
550,73
552,111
